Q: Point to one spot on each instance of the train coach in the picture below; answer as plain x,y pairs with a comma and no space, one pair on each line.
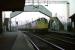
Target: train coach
40,24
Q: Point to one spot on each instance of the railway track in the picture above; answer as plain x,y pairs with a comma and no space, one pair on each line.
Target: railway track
65,41
43,44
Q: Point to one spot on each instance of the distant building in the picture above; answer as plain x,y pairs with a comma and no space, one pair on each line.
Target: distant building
72,22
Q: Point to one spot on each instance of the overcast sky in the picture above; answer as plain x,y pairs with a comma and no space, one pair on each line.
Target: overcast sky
27,17
60,9
72,4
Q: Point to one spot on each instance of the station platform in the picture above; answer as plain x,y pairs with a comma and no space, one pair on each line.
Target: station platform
15,41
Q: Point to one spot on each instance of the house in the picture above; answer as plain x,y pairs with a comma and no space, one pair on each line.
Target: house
72,22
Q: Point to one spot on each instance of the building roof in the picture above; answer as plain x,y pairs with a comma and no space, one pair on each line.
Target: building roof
73,16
